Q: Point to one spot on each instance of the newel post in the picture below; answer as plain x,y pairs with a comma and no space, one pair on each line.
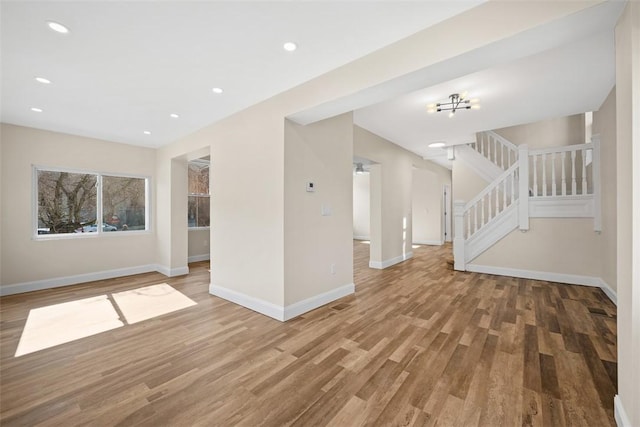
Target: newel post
597,209
458,236
523,187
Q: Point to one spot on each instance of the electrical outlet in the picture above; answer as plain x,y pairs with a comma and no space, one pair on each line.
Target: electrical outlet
333,268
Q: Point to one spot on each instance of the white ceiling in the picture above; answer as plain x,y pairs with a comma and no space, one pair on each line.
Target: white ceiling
556,83
125,66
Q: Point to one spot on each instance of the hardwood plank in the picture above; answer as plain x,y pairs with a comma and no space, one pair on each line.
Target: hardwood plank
418,344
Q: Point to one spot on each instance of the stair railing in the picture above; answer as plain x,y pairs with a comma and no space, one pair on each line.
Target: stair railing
567,172
469,218
496,149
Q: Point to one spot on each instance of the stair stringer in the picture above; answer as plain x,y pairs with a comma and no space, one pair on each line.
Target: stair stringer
492,232
482,166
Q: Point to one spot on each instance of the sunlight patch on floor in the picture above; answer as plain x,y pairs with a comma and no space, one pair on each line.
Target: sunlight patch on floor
151,301
61,323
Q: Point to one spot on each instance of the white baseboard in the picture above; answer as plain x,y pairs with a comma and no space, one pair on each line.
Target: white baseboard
361,238
263,307
279,312
389,262
57,282
622,420
172,272
301,307
428,242
608,291
572,279
196,258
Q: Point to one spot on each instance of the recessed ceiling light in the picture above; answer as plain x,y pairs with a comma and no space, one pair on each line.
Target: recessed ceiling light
43,80
147,132
290,46
57,27
217,90
36,109
174,115
436,145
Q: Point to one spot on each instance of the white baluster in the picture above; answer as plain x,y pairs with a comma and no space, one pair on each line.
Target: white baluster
564,177
497,210
489,148
584,171
544,174
495,151
535,176
553,174
502,158
504,192
482,137
486,208
468,223
475,218
513,188
458,237
481,212
574,191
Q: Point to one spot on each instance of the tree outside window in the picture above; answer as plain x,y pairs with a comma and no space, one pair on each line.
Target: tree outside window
199,198
69,202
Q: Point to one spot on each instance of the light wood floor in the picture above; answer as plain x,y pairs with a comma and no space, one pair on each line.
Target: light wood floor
418,344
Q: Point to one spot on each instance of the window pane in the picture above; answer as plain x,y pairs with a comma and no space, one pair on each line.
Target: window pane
198,178
123,203
198,211
203,211
66,202
192,211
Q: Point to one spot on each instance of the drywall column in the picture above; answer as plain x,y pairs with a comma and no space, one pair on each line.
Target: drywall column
171,216
179,231
627,403
375,214
318,221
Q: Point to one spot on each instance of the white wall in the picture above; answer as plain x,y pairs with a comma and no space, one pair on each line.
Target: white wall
247,181
427,208
628,209
604,124
26,260
198,248
361,207
547,133
318,245
552,245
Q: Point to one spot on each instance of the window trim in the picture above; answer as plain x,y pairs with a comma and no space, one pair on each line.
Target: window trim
99,233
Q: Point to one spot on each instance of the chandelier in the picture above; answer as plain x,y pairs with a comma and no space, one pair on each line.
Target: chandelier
456,102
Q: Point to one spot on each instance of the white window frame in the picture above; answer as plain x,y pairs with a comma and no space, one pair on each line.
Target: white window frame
98,232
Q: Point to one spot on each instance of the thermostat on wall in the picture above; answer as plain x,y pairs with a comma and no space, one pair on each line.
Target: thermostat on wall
311,187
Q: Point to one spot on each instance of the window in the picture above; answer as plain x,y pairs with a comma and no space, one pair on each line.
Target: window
72,202
199,199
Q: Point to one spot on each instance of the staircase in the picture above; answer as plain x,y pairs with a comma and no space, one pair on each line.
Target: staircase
557,182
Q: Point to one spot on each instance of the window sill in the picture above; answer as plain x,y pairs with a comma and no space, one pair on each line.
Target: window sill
198,228
72,236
